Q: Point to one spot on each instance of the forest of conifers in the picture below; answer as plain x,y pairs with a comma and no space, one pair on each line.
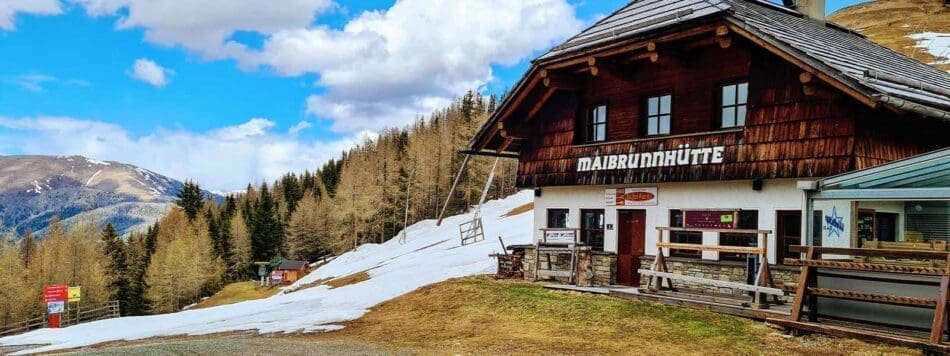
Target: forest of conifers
203,243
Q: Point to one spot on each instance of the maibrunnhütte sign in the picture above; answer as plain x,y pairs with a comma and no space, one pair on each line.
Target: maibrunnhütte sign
683,155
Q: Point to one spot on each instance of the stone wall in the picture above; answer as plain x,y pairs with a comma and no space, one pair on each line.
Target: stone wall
604,264
718,270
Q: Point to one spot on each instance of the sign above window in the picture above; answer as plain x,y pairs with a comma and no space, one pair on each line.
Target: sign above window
631,197
710,219
682,156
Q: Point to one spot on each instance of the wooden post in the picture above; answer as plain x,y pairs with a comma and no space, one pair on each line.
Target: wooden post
803,281
451,191
940,315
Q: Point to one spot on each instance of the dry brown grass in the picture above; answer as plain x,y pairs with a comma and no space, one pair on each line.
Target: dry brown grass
348,280
481,315
337,282
888,22
519,210
237,292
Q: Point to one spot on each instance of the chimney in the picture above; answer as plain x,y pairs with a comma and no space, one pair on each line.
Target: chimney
815,9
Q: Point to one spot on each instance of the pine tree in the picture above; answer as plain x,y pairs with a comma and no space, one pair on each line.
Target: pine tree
116,263
191,199
266,229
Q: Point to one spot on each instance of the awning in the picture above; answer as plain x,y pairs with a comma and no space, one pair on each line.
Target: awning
923,177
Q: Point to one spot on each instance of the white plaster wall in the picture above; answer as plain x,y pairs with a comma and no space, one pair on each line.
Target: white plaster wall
776,195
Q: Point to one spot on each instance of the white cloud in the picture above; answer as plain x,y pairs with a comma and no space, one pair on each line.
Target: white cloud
383,68
300,126
224,159
33,82
10,8
205,26
255,127
150,72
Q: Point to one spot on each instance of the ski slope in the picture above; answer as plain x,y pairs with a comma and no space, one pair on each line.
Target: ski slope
430,255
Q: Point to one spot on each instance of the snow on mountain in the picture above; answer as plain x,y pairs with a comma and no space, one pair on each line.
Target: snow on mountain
429,255
34,189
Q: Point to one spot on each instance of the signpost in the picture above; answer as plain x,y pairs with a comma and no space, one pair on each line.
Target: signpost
55,297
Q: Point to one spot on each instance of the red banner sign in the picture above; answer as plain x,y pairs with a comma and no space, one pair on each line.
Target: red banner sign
710,219
55,293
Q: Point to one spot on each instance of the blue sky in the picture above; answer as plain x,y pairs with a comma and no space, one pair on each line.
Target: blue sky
129,80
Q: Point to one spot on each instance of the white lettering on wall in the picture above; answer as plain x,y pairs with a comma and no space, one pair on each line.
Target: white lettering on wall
682,156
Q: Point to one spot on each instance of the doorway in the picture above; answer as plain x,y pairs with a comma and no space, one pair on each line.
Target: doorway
631,233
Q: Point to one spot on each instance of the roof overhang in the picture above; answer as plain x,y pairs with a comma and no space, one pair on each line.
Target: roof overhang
923,177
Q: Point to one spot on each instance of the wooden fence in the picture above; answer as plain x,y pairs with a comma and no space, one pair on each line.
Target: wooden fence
76,314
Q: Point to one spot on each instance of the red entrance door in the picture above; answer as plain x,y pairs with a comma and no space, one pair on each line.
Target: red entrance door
631,231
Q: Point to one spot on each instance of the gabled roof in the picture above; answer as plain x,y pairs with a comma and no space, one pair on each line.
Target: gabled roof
870,72
292,265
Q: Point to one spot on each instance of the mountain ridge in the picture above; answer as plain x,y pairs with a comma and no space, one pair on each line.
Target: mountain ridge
36,189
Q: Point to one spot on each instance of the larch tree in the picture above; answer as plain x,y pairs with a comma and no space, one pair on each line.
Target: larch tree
18,301
183,268
240,245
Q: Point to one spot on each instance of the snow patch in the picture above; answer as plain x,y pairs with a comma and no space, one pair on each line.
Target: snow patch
93,177
101,163
430,254
935,43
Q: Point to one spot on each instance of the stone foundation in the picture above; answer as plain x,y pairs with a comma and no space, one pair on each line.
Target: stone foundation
604,265
718,270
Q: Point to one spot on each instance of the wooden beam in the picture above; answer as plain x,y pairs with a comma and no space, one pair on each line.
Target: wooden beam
892,253
869,267
820,92
505,144
540,104
737,231
698,247
835,82
713,282
806,78
861,333
560,81
874,298
625,47
722,30
724,42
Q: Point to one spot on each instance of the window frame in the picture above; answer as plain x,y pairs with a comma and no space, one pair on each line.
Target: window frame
684,237
586,231
588,123
721,106
645,101
567,218
725,256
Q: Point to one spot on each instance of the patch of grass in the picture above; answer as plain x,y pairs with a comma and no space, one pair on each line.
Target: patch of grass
348,280
519,210
482,315
237,292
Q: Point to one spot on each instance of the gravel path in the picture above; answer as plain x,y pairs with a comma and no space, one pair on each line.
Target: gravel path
241,345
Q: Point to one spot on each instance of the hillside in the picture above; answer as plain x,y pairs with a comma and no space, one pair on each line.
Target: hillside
916,28
343,289
35,189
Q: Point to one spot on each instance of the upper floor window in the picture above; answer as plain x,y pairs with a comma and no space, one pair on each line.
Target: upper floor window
597,124
735,98
659,114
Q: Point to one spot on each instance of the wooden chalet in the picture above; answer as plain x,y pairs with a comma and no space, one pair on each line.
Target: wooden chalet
685,126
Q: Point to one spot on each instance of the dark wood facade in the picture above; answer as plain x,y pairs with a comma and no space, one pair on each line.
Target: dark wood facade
795,127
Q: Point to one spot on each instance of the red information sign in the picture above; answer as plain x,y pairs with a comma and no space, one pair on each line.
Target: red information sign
710,219
55,293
